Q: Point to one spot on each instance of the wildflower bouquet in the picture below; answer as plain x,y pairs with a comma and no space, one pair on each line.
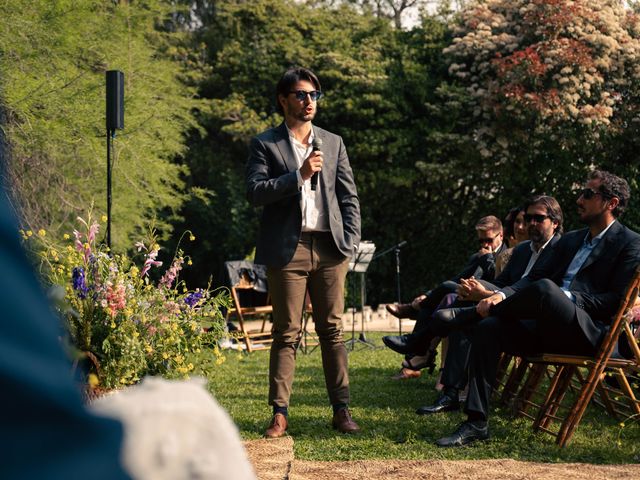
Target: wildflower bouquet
117,315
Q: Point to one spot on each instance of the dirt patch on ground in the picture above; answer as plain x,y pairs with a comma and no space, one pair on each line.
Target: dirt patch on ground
273,459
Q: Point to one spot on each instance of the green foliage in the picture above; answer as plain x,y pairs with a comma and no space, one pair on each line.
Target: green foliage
128,325
434,141
404,129
385,410
53,58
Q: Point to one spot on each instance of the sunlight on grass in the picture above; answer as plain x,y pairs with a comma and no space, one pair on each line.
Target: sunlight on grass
385,410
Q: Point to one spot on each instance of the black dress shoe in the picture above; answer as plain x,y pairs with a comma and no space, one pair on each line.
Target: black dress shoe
466,433
398,343
444,403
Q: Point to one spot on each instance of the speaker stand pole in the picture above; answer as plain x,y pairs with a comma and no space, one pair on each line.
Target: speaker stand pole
110,134
397,249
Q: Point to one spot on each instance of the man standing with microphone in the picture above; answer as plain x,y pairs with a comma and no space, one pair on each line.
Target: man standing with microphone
310,228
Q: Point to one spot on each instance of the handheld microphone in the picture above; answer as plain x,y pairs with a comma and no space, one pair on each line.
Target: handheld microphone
316,144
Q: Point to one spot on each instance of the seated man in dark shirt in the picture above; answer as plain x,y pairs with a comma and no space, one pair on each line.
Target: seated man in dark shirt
481,265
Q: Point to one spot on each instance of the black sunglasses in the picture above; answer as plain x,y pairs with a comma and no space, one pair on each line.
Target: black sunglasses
535,217
301,95
588,194
484,241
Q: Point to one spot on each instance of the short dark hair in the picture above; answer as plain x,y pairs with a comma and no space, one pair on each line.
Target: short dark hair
613,186
289,78
489,223
553,209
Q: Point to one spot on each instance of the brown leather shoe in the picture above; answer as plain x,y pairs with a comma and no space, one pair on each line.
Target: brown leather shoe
343,422
406,374
403,310
277,427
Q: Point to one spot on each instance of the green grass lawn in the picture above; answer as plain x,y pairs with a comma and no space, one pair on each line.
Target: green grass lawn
384,409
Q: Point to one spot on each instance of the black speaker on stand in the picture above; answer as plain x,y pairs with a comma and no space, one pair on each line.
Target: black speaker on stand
115,121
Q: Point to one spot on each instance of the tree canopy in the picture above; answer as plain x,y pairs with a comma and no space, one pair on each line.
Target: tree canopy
462,115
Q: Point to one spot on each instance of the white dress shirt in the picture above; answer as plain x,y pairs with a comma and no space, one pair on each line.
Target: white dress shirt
314,213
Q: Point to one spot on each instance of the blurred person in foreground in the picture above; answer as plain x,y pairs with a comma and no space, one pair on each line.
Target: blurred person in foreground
46,433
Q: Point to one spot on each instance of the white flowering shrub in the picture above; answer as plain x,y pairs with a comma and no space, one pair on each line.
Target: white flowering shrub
546,69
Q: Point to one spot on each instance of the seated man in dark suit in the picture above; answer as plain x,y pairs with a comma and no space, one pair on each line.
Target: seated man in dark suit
481,265
544,218
562,306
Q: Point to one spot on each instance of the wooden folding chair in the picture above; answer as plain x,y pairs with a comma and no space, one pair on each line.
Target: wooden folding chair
588,372
255,339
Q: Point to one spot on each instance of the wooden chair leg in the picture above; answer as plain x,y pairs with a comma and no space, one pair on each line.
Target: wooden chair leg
545,407
560,391
626,388
513,382
577,411
522,401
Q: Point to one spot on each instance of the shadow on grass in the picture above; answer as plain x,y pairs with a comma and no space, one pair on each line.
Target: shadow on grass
385,410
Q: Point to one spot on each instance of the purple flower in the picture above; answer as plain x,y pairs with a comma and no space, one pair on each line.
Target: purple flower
79,282
193,298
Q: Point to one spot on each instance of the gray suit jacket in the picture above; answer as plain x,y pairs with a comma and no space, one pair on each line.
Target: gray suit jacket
273,184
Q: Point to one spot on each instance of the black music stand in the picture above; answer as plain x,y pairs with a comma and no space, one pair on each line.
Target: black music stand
396,248
359,264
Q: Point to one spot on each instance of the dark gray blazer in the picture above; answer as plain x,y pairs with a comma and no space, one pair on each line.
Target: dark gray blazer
600,283
273,184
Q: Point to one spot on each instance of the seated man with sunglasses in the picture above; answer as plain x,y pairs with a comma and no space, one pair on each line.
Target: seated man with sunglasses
481,265
544,219
308,233
563,305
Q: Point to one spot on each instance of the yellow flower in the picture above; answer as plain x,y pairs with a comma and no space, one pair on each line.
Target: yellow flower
113,324
190,367
42,232
136,334
622,424
179,359
165,355
69,248
155,247
189,262
149,349
66,236
103,218
29,233
93,380
192,237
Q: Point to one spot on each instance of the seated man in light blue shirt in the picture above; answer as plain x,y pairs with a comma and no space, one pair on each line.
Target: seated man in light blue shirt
563,305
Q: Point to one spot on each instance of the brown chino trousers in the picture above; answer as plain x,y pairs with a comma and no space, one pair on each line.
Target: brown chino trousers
318,264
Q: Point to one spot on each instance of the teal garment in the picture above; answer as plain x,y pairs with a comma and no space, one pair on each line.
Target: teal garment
45,430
